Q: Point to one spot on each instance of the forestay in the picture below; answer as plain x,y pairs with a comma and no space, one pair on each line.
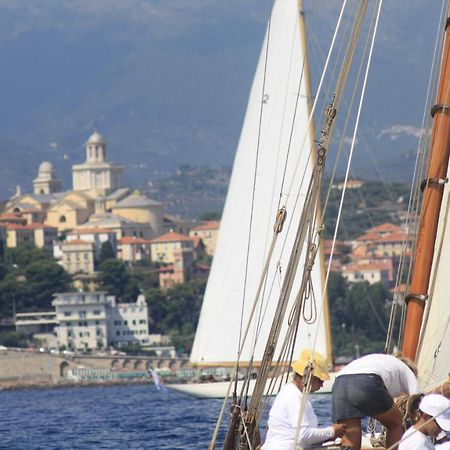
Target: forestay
267,148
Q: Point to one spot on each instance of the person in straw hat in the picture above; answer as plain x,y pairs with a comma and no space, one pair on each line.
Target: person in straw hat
285,411
434,418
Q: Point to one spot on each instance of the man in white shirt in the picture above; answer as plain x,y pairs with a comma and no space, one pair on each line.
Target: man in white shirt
367,387
434,418
285,411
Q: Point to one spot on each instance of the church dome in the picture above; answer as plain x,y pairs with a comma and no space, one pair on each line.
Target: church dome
46,167
96,138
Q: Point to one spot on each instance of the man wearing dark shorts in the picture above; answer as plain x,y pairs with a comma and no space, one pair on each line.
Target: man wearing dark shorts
367,387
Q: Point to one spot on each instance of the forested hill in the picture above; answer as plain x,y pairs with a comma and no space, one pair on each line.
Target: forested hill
193,191
370,205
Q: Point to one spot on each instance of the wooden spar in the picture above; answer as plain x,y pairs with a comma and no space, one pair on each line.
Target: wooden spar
437,170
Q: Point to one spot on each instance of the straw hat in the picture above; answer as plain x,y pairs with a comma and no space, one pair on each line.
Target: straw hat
319,362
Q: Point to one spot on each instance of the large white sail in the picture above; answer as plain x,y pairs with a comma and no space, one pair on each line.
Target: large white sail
283,70
434,350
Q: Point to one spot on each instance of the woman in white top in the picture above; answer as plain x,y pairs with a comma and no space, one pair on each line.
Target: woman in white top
285,411
434,418
367,387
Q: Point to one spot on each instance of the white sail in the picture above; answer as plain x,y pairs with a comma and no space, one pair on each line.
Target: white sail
284,70
434,350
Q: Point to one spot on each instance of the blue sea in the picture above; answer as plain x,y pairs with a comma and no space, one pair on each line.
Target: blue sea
113,417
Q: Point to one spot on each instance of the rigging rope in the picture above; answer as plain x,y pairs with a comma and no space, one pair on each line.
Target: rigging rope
414,200
380,2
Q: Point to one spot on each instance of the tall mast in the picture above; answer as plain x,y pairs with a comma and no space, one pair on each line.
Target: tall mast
435,183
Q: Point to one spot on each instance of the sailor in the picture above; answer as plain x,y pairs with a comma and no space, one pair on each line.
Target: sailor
284,414
434,418
367,387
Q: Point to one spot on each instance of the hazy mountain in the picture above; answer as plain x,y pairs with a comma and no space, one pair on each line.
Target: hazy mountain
166,82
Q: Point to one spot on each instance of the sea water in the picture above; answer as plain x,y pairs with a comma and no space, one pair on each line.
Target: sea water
114,417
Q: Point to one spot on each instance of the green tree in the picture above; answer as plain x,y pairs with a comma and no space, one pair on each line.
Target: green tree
106,252
13,339
359,315
175,312
28,279
45,278
113,277
25,254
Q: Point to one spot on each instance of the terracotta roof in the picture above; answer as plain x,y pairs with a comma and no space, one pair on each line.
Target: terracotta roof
171,237
395,237
367,267
12,217
31,226
329,242
385,227
368,237
133,240
77,242
211,225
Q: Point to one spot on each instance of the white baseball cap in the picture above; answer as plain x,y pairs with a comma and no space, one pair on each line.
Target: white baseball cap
438,406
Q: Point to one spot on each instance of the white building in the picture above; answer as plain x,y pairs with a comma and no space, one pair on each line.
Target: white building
96,174
128,323
82,319
93,321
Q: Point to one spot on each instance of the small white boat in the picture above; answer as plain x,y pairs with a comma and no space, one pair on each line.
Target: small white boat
218,389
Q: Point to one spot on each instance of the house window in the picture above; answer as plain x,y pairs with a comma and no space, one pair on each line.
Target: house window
67,313
117,333
62,219
97,312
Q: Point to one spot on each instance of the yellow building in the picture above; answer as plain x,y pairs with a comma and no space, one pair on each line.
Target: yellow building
42,236
208,232
139,208
163,247
78,256
70,212
97,195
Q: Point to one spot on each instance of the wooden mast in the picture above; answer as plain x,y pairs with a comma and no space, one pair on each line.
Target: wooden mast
435,183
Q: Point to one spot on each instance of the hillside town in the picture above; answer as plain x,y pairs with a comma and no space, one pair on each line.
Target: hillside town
76,226
100,215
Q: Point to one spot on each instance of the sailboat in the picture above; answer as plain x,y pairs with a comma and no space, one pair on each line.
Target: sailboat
273,304
426,330
269,178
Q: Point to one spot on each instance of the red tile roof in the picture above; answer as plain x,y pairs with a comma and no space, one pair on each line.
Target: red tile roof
395,237
171,237
367,267
210,225
77,242
368,237
31,226
133,240
385,227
